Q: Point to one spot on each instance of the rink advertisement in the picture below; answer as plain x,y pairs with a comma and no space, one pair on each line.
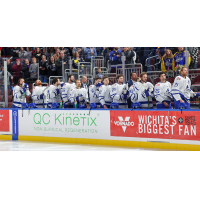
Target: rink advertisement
156,124
65,123
6,122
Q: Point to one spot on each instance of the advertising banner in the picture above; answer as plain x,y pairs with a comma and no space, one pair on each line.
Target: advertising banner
156,124
65,123
4,121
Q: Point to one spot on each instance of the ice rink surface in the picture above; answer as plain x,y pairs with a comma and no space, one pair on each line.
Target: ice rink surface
45,146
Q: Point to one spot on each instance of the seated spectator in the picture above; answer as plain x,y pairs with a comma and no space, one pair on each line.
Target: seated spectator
9,76
115,56
56,56
167,62
25,69
76,59
43,69
17,71
89,52
15,53
194,55
33,70
52,71
80,50
38,55
179,58
99,74
51,50
62,58
22,52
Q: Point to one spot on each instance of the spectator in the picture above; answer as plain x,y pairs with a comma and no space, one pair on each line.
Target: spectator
52,71
115,56
25,69
65,50
98,73
59,63
89,51
76,59
9,76
56,56
9,66
43,69
33,70
194,55
128,52
15,53
179,58
38,54
70,51
79,49
45,52
1,48
17,71
51,51
132,80
22,52
28,54
167,62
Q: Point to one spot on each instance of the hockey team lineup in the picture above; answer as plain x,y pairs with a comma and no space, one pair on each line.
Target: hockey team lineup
101,95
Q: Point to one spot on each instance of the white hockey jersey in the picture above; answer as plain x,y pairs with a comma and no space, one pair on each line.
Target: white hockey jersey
52,96
181,86
116,92
131,92
19,96
104,95
162,92
78,92
37,91
94,94
139,94
66,89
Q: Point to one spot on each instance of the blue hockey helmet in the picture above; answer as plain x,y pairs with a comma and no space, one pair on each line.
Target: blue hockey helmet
93,105
136,105
54,105
182,106
82,105
24,105
32,105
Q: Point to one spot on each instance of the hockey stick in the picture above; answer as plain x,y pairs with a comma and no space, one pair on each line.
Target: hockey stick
148,96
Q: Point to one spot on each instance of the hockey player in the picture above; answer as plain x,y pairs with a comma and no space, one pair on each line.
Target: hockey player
39,94
54,94
181,90
94,92
143,92
119,92
20,91
104,93
162,92
66,91
79,95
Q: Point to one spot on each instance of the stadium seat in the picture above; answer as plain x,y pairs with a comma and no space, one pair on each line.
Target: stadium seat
9,105
10,98
156,80
1,98
197,80
171,80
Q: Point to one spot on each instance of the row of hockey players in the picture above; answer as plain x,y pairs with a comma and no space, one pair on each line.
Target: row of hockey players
104,95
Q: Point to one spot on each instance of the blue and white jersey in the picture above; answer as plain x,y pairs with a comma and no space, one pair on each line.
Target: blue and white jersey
140,96
37,91
67,87
162,92
52,96
181,89
82,92
19,96
104,95
131,93
116,94
94,94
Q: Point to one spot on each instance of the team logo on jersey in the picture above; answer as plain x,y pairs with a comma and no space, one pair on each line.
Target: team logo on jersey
176,84
123,122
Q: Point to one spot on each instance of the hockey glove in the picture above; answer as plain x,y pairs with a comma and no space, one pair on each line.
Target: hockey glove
145,94
57,92
198,95
41,96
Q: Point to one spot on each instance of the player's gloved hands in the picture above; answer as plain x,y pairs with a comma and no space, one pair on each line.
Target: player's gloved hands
125,96
98,85
198,95
25,85
125,92
77,99
81,98
151,90
145,94
96,94
23,90
41,96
